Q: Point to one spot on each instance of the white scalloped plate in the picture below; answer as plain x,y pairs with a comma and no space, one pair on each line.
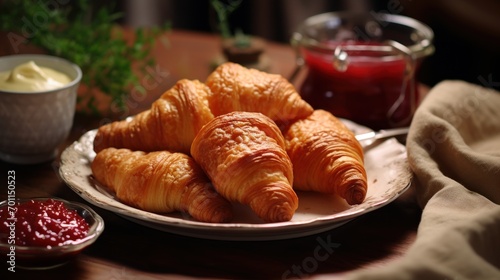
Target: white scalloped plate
388,177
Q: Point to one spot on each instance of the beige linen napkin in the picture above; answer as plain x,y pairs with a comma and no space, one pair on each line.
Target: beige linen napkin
454,150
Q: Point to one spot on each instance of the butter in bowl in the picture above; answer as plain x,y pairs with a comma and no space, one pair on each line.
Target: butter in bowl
37,105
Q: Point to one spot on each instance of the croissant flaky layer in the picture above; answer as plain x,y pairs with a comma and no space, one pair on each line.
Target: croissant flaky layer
231,126
236,88
170,124
326,157
160,182
243,154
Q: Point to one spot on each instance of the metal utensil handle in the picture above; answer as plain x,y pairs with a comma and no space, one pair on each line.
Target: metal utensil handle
382,134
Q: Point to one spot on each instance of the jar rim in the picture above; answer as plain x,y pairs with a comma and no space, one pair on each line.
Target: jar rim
421,48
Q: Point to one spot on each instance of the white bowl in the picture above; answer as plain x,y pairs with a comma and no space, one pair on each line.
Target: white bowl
34,124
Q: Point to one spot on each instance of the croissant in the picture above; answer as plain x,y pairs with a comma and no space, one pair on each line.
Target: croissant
326,157
236,88
170,124
243,155
160,182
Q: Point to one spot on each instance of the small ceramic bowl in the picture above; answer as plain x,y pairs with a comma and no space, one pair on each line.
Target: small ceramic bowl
34,257
34,124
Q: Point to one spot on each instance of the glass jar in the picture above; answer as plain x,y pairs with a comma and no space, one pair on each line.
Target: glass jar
361,66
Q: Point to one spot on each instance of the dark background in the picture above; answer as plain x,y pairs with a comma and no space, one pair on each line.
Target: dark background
467,33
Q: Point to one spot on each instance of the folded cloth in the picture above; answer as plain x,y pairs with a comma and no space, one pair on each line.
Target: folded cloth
454,151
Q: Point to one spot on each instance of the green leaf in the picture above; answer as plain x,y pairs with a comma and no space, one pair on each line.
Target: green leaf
90,38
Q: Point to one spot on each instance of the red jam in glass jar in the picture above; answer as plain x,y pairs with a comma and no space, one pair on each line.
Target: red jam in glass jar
44,223
361,66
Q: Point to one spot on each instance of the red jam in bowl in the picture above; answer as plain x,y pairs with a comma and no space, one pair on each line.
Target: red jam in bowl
362,65
365,92
43,223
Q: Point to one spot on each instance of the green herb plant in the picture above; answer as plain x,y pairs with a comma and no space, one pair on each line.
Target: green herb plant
88,37
223,10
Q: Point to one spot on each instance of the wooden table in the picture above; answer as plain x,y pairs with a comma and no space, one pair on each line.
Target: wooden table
130,251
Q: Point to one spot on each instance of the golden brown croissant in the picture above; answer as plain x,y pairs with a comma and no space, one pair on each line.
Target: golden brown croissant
160,182
170,124
243,155
236,88
326,157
